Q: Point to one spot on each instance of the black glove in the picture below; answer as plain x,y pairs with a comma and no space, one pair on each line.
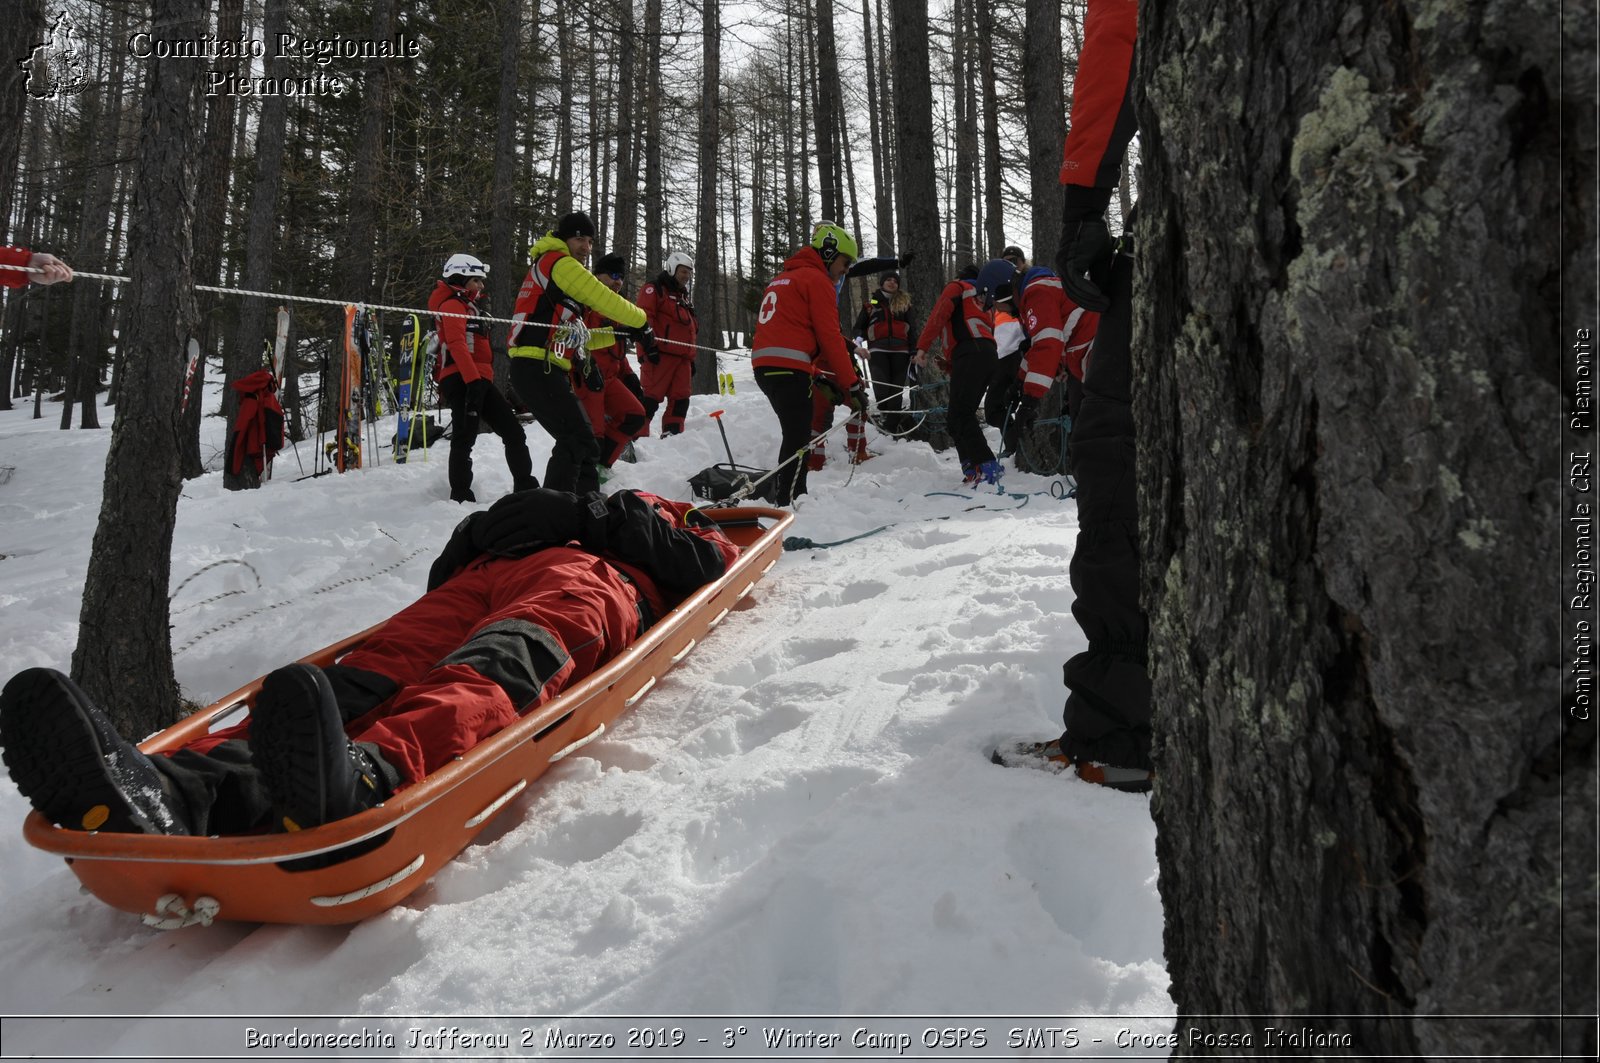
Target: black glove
905,259
457,553
477,393
858,399
1027,411
631,382
830,391
646,338
593,378
1085,248
524,521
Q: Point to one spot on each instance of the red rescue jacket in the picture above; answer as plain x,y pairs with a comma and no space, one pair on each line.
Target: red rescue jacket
958,317
1060,332
797,325
463,342
257,433
671,316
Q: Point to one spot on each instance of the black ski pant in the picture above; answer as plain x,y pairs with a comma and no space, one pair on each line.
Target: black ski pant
1108,702
999,396
971,366
789,391
888,371
495,412
547,392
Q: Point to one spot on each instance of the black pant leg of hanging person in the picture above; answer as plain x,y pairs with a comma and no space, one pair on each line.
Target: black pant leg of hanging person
574,456
1108,707
998,396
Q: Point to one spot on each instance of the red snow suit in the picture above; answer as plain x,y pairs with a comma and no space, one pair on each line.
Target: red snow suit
14,256
580,607
616,414
1060,332
257,432
1102,115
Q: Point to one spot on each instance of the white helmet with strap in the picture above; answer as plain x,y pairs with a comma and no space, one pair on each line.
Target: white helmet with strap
464,266
676,259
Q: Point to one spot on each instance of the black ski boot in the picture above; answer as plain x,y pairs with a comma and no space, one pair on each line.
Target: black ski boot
314,773
69,761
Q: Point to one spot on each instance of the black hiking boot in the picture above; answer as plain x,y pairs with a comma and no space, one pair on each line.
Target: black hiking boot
314,773
69,761
1048,756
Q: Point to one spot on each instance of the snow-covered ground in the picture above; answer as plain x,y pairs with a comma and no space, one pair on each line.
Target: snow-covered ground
802,819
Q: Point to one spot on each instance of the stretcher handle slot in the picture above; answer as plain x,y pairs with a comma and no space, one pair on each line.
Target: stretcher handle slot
496,805
637,694
716,620
366,891
580,743
681,654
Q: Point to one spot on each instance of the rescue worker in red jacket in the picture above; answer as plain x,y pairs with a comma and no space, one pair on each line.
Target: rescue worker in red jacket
797,335
550,334
530,596
962,324
616,410
884,325
466,379
53,269
669,375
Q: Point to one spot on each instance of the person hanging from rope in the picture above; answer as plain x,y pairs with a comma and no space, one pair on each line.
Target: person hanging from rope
52,269
1107,716
550,334
798,335
669,375
466,378
529,596
885,328
965,329
1009,342
615,409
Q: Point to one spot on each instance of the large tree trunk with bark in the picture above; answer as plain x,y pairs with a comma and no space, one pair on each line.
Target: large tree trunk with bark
257,317
1347,355
914,176
505,258
707,264
27,30
1041,93
124,653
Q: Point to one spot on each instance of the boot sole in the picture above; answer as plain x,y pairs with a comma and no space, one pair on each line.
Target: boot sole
291,747
58,761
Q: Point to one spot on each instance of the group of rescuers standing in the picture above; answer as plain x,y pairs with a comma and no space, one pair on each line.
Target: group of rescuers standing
1005,334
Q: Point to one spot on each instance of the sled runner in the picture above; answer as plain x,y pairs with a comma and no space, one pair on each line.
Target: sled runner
351,868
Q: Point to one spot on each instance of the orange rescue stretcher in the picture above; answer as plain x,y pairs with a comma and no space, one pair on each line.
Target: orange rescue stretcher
351,868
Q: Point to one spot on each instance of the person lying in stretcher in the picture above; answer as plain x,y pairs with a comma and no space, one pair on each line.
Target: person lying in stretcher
529,596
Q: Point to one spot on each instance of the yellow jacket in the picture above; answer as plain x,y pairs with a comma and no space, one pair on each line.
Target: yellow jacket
554,293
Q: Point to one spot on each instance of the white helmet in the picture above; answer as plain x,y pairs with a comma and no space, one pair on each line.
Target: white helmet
676,259
464,266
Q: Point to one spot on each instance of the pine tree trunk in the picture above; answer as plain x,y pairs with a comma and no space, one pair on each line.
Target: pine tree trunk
626,237
1355,251
1041,93
913,113
124,653
993,213
506,260
564,59
27,29
707,267
966,136
883,211
652,138
257,317
825,83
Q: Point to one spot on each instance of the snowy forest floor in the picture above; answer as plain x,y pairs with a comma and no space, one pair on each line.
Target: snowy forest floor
801,819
